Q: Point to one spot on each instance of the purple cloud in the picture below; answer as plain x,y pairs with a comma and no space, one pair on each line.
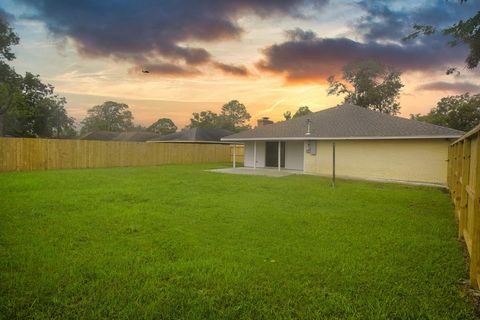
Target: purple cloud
455,87
316,58
304,56
240,71
154,31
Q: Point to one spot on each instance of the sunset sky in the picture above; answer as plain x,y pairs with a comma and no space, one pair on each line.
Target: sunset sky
270,55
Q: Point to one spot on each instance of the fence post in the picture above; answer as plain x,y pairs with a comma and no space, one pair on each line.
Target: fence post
475,221
463,181
234,155
450,167
457,183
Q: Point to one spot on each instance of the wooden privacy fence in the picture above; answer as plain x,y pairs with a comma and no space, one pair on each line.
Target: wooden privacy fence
25,154
464,184
239,155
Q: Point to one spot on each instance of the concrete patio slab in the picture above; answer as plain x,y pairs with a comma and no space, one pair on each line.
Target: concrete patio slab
269,172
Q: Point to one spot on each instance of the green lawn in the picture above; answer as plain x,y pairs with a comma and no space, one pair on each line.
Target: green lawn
177,242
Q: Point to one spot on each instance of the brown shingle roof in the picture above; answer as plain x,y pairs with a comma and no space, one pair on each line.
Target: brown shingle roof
346,122
99,135
136,136
120,136
196,135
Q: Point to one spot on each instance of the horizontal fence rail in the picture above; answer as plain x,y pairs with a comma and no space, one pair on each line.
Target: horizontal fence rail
27,154
464,185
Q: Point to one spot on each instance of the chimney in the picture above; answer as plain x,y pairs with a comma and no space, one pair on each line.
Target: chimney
263,122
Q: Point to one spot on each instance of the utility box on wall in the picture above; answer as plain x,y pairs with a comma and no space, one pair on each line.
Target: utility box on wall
311,147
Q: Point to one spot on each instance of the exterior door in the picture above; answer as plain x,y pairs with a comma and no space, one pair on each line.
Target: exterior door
271,154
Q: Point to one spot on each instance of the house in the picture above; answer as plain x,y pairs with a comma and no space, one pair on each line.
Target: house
365,144
138,136
195,135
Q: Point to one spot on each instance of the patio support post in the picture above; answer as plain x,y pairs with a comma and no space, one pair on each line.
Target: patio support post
333,164
279,155
234,155
255,154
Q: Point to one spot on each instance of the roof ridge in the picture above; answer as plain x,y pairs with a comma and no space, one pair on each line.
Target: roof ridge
349,121
402,118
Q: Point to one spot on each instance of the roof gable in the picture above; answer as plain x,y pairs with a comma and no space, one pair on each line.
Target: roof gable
347,122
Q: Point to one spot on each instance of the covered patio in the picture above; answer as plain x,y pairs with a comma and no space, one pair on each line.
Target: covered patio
279,155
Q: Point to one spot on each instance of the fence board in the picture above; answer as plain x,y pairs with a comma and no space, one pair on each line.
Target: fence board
26,154
239,153
464,184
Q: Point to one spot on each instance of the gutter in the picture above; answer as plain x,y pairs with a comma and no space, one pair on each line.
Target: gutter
342,138
188,141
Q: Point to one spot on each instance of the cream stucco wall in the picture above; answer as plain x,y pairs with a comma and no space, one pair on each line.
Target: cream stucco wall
294,155
405,160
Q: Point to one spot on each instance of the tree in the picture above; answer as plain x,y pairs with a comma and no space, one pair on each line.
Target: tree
109,116
137,128
8,38
63,126
28,107
8,77
460,112
466,32
302,111
370,85
204,119
234,116
36,111
163,126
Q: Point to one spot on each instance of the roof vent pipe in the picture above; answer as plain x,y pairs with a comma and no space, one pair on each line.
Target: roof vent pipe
309,123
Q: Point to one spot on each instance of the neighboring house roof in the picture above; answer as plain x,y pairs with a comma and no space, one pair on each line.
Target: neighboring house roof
346,122
99,135
136,136
120,136
195,135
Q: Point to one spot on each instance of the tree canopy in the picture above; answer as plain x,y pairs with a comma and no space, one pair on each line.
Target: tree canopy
28,107
370,85
204,119
8,38
233,116
163,126
109,116
36,111
460,112
302,111
466,32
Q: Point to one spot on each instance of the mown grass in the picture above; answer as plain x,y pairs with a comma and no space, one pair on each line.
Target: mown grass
177,242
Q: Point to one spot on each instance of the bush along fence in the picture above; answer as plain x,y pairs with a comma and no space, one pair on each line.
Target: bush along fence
464,185
26,154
